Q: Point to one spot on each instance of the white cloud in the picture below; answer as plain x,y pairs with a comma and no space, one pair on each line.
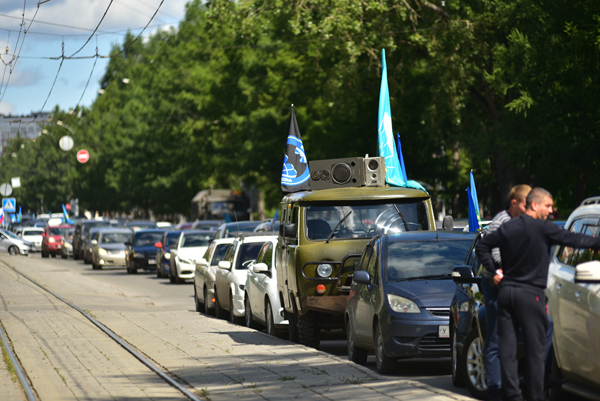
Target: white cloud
7,108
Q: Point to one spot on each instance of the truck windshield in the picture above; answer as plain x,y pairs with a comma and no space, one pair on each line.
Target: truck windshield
365,221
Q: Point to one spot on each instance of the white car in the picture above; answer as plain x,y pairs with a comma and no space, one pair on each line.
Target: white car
14,245
574,303
206,270
230,282
262,304
33,235
191,246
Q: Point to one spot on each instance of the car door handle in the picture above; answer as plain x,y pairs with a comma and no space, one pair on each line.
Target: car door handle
558,287
578,296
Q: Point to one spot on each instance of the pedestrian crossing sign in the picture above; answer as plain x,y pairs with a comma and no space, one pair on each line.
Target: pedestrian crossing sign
9,205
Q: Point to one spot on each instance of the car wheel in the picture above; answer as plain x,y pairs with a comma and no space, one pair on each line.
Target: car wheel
44,254
458,376
63,256
197,301
171,276
309,333
208,311
158,271
248,318
384,363
355,354
219,312
270,322
53,255
232,317
473,365
75,255
13,250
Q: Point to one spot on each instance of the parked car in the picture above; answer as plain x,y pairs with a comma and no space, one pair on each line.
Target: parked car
231,229
140,225
141,250
108,246
184,226
163,252
66,243
82,229
87,243
191,246
206,225
14,245
205,274
400,296
574,303
271,225
261,301
52,245
231,276
33,235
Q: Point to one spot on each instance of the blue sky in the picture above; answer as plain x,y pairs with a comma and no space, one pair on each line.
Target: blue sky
70,21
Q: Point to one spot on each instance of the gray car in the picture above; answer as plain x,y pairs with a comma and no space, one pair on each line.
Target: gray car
108,246
14,245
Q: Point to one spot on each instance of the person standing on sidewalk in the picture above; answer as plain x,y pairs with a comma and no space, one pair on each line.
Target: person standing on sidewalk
517,200
524,244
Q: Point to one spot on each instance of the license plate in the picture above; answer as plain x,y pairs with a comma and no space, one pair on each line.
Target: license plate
444,331
152,261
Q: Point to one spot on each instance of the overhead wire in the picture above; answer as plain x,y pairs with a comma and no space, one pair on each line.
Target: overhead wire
97,26
140,34
55,78
90,77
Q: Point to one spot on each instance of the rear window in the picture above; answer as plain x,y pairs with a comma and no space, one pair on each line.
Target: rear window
115,238
57,231
32,232
247,253
193,240
147,239
219,254
172,239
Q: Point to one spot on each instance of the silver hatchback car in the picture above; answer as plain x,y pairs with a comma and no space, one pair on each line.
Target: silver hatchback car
14,245
574,304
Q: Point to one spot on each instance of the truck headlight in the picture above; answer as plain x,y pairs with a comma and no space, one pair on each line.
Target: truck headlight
324,270
402,305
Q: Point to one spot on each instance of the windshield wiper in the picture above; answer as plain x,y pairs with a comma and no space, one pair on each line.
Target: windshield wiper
332,233
402,217
429,277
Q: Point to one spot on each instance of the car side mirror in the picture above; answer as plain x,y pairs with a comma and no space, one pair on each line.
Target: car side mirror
43,234
225,264
158,244
463,274
448,223
260,268
288,230
362,277
588,272
94,242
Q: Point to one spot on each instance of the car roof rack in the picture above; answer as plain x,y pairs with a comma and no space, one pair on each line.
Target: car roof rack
595,200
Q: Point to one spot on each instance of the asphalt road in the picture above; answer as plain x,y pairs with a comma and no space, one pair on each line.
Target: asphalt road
149,289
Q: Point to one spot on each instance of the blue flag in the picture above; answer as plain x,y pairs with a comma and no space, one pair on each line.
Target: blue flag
401,159
20,216
227,218
474,216
295,175
66,216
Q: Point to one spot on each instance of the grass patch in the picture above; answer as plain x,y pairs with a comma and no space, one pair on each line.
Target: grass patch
9,365
204,393
353,380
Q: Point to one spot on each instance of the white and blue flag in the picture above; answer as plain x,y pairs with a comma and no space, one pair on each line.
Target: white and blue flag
295,175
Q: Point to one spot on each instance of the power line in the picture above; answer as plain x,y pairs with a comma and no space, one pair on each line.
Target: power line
135,40
97,26
55,78
90,77
119,32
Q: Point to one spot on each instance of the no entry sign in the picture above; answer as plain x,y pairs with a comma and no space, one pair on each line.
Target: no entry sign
83,156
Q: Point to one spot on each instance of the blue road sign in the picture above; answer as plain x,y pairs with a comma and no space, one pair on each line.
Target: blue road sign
9,205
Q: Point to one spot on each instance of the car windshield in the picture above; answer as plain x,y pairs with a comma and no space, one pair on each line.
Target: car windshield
115,238
242,228
147,239
192,240
33,232
425,259
247,253
57,230
9,234
172,239
365,221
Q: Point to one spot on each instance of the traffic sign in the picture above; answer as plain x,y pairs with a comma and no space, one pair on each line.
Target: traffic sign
66,143
9,205
83,156
5,189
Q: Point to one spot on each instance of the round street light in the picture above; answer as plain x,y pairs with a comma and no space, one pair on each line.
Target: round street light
65,126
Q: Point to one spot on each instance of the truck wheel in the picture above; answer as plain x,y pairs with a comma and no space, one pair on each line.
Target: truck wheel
384,363
293,327
473,365
458,375
308,330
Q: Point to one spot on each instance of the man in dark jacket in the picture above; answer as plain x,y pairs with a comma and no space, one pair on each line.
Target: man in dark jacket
524,244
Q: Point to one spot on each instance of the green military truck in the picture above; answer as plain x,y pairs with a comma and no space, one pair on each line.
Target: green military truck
323,233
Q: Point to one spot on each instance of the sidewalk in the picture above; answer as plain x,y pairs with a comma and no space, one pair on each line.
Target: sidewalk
221,361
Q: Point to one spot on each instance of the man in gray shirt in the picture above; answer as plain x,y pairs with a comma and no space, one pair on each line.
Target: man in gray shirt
516,207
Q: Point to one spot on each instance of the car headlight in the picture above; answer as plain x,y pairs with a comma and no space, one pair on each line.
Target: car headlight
67,245
167,255
51,240
324,270
402,305
186,261
102,251
464,307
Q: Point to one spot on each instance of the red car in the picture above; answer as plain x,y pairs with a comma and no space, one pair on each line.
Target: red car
52,235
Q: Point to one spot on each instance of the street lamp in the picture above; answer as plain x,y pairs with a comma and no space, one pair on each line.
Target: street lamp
65,126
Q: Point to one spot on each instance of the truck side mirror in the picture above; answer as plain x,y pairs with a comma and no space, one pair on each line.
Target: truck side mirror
288,230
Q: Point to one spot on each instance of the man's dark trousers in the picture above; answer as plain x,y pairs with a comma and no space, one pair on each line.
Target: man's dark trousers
525,307
492,357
